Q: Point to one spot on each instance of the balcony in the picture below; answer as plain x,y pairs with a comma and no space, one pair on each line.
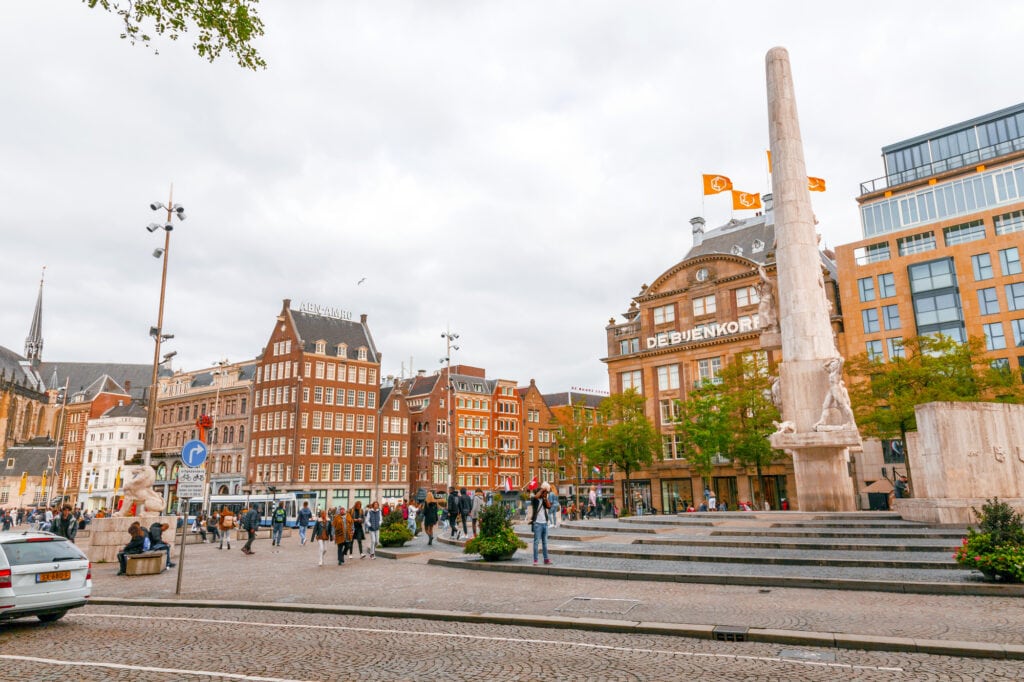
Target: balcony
965,160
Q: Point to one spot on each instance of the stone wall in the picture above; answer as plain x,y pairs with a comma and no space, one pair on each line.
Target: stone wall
963,454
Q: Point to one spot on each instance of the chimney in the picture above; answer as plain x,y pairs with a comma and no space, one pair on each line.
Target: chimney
286,305
698,230
769,209
128,386
421,372
362,318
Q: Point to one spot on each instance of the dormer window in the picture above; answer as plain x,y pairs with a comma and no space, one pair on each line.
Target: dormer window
321,347
342,350
757,246
737,250
362,353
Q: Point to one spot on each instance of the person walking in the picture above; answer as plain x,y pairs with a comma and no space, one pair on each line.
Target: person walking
342,525
323,532
429,517
478,506
453,512
358,526
250,524
304,517
371,525
539,520
225,525
64,525
556,507
465,508
411,518
277,520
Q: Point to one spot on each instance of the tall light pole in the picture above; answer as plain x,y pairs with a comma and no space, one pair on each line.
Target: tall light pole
218,376
157,332
449,341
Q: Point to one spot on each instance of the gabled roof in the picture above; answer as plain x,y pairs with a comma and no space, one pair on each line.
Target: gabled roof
739,238
421,385
132,409
32,458
103,384
572,398
312,328
472,384
385,393
80,375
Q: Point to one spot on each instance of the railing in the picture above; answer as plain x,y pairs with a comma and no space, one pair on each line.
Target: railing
935,167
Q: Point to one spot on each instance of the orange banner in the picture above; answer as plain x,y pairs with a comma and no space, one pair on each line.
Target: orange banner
769,153
714,184
744,201
815,184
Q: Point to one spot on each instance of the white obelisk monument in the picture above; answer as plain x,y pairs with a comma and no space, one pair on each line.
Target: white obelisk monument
818,425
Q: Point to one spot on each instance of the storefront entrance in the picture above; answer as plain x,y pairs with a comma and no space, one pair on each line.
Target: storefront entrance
774,490
676,494
638,497
725,491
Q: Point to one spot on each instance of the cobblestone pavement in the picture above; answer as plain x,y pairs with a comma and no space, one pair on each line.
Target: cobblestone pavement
111,643
290,574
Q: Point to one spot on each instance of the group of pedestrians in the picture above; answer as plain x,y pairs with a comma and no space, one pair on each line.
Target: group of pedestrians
461,506
345,528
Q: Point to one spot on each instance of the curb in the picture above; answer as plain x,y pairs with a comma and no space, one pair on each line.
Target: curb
974,589
790,637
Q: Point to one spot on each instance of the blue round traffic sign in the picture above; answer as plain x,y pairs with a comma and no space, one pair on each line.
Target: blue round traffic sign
193,453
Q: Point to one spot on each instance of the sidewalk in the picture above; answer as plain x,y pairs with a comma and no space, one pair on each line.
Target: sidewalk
289,575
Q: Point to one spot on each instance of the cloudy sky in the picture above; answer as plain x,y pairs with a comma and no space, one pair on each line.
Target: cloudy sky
513,171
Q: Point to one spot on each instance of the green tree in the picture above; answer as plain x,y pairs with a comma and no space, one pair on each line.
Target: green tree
933,368
625,436
575,423
731,417
220,24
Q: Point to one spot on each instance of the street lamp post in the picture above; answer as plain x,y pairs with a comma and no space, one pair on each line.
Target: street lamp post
218,376
449,338
157,332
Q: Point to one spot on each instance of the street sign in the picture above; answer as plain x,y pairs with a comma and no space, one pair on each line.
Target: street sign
191,482
193,453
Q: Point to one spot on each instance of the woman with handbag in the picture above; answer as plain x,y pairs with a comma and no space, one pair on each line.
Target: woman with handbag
323,532
358,518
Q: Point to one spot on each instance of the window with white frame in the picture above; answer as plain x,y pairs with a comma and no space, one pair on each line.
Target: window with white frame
704,305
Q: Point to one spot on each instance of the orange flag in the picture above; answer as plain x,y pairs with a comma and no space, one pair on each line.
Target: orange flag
713,184
742,201
769,153
815,184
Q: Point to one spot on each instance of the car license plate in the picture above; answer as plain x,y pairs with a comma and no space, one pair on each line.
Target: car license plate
53,576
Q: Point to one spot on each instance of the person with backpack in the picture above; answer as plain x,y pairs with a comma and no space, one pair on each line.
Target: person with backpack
225,525
323,532
453,512
304,517
277,524
465,509
250,524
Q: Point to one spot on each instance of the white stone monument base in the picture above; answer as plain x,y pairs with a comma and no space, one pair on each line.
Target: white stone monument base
823,479
947,511
109,535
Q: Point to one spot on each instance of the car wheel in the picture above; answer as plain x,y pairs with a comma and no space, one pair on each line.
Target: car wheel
50,617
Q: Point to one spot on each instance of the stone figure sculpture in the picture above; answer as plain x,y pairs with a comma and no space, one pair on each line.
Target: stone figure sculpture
766,315
777,393
836,399
138,491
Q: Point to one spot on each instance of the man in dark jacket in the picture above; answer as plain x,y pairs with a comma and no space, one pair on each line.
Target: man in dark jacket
250,523
65,525
453,512
156,541
465,509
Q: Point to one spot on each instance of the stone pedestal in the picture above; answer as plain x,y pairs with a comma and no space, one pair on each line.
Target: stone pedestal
821,466
109,535
963,454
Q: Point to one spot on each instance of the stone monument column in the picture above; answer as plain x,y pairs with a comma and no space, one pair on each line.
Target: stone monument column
818,427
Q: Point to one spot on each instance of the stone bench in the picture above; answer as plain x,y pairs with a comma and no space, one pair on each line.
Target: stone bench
145,563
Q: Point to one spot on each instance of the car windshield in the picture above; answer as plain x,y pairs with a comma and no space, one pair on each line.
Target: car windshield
24,552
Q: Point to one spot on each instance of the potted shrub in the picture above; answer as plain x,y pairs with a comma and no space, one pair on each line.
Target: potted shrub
996,548
394,531
497,540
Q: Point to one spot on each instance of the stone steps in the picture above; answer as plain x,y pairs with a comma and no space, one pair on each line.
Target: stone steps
836,533
922,545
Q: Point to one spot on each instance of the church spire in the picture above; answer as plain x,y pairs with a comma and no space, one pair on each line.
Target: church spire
34,342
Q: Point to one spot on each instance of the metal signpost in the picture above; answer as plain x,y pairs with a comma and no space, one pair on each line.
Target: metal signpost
191,483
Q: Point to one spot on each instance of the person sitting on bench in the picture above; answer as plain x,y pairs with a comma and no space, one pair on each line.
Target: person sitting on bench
156,540
136,545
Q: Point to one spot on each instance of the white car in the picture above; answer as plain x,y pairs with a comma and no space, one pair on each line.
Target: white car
42,575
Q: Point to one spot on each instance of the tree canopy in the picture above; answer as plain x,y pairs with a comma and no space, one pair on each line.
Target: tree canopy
625,437
219,24
933,368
